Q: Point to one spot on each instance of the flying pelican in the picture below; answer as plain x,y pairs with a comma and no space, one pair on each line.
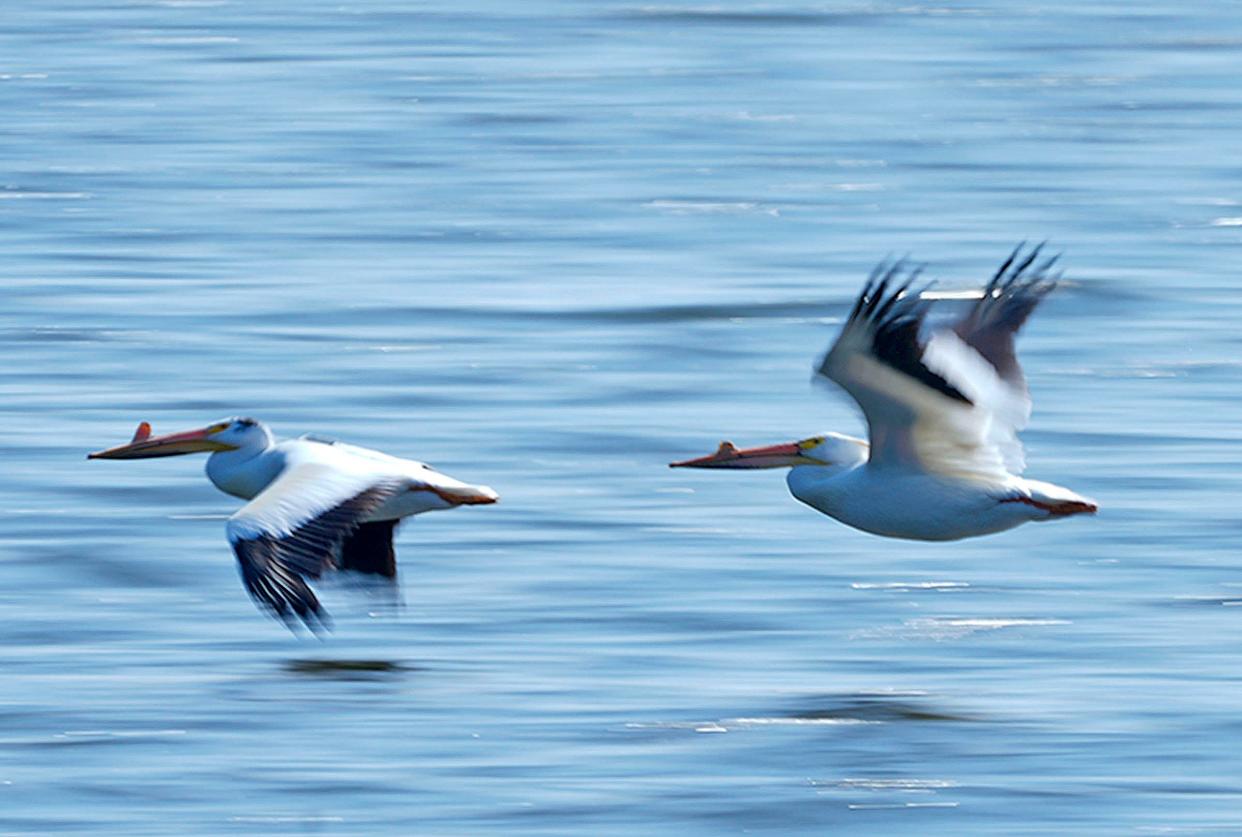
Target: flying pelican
943,414
314,504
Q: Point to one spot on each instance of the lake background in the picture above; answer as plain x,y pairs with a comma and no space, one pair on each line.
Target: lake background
550,247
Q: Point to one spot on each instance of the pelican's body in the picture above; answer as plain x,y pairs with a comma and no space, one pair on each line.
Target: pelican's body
923,506
314,504
245,474
943,460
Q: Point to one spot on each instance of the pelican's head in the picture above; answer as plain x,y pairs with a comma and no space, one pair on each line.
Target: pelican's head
225,435
830,449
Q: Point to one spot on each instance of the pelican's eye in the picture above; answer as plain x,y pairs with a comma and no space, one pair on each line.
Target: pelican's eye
811,443
217,428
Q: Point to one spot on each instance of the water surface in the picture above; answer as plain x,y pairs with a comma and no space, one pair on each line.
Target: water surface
551,247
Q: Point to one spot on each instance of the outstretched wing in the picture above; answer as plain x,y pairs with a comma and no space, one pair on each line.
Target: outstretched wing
990,328
930,406
1008,300
293,530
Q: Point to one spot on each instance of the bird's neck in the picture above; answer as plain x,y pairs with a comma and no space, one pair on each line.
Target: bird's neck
817,484
244,472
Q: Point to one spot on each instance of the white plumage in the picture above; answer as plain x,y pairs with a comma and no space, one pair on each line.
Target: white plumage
943,460
314,505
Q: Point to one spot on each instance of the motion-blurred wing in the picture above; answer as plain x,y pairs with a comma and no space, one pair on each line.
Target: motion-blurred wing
1008,300
920,415
293,530
990,329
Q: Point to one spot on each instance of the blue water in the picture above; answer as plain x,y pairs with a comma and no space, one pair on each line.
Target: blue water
550,247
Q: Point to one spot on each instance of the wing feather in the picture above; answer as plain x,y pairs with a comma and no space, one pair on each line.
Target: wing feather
945,405
1008,299
990,328
293,531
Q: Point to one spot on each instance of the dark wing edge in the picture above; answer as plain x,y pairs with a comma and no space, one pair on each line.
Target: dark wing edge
369,549
274,569
892,313
1013,292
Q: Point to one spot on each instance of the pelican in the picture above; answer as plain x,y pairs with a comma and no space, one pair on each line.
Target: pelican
314,505
943,459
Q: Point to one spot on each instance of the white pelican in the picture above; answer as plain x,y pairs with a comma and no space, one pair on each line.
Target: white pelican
942,414
314,504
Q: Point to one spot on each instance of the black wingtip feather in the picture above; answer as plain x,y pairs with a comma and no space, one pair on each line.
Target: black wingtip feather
274,570
1008,300
895,318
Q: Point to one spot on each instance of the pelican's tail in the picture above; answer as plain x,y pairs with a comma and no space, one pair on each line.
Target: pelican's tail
1048,501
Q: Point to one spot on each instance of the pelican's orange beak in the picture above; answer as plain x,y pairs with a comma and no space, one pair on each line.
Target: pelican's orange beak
144,446
728,455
